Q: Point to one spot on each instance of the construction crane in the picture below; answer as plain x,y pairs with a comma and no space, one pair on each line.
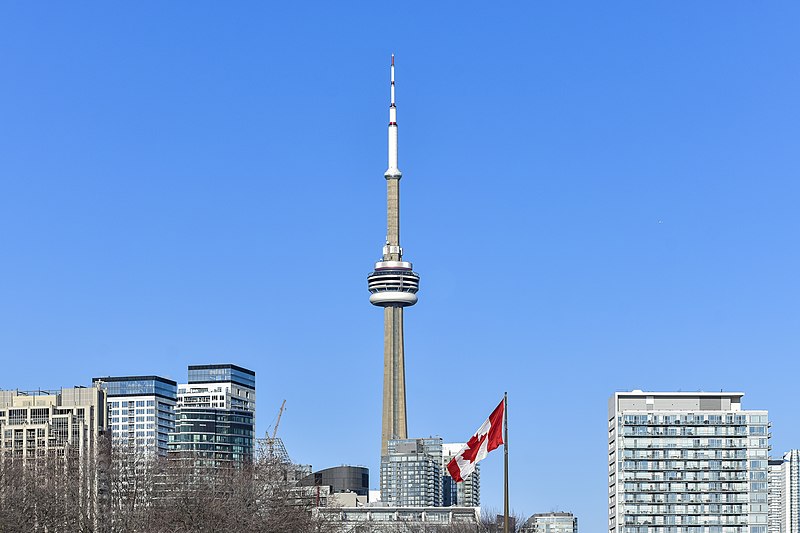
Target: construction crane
274,448
278,421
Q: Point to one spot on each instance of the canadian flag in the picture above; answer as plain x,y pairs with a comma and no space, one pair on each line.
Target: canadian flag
488,437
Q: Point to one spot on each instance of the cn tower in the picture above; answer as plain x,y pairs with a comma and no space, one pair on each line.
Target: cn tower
393,285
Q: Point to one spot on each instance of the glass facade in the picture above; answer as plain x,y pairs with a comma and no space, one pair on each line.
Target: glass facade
215,373
141,412
139,386
214,434
693,470
341,479
216,414
411,473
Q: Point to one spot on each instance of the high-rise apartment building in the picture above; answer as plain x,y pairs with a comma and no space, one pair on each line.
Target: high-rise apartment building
393,285
551,523
686,462
141,411
52,423
411,473
775,497
215,414
59,430
466,493
790,519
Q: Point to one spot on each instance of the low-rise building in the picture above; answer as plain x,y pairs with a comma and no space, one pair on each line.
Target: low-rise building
556,522
341,479
378,518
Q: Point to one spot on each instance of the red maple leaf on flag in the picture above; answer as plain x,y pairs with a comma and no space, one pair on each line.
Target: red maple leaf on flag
488,437
472,447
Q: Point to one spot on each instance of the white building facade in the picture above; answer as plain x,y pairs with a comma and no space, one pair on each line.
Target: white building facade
775,498
686,462
391,519
556,522
790,511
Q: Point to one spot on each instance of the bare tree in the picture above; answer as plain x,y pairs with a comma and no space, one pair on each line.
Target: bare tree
118,491
492,521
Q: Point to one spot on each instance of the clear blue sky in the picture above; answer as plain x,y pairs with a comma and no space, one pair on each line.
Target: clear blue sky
598,196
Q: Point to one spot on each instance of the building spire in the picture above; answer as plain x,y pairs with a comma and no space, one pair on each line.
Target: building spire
392,71
392,171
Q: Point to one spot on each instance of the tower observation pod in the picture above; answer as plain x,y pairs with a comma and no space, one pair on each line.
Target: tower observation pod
393,285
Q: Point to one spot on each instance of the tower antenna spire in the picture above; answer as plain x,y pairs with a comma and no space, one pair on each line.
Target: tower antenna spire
392,171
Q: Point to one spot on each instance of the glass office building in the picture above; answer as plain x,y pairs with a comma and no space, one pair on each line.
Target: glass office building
411,473
686,462
215,414
141,412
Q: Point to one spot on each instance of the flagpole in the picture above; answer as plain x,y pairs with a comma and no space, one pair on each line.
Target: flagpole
505,455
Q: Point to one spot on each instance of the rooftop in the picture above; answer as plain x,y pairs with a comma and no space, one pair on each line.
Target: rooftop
109,379
225,366
693,394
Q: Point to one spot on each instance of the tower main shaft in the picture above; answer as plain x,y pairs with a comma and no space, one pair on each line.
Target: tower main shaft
393,285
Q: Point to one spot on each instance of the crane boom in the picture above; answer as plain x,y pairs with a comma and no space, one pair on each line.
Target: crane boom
278,421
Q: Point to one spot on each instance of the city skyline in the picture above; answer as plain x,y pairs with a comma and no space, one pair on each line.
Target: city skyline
603,199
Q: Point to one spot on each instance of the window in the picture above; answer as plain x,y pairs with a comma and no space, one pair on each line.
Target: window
17,416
